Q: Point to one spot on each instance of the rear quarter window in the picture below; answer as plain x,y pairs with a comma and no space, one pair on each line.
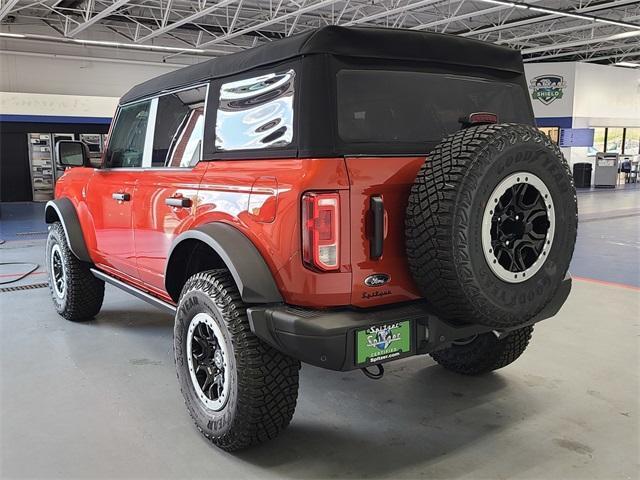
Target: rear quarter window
256,113
378,106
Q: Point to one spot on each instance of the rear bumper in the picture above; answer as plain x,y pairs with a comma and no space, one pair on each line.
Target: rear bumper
327,338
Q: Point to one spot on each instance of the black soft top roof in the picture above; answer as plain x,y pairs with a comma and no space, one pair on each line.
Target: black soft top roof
359,42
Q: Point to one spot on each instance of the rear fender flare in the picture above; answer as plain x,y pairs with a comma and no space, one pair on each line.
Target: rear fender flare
245,263
63,210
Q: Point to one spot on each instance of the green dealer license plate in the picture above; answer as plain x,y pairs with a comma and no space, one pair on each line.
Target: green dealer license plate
381,343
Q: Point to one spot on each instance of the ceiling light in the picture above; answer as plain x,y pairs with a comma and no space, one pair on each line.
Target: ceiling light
627,64
619,24
505,3
12,35
138,46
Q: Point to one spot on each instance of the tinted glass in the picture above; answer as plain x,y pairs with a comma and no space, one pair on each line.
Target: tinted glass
126,146
256,112
179,127
70,154
415,107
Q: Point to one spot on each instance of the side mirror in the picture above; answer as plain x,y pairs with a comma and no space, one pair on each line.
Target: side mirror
70,153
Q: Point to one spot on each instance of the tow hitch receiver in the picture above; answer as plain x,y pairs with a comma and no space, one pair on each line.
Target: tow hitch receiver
371,375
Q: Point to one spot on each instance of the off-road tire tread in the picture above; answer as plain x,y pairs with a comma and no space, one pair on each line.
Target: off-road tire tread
84,292
440,201
267,379
485,354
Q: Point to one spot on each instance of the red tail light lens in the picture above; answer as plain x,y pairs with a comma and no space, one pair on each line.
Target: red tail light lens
321,230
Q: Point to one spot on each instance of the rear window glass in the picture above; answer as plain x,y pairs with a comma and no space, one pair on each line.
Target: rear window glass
414,107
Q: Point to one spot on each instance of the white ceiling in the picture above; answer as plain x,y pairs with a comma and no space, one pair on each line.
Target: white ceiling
180,31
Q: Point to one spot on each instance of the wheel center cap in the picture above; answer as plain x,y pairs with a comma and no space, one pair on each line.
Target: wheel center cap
217,359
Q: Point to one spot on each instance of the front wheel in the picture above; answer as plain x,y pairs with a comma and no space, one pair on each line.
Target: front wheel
77,295
238,390
484,353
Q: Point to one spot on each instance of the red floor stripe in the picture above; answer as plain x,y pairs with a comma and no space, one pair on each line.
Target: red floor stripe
608,284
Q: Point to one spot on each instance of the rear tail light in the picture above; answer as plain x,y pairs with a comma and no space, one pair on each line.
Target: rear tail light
321,230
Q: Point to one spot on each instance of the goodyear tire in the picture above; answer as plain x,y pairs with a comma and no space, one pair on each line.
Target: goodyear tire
491,225
238,390
484,353
76,294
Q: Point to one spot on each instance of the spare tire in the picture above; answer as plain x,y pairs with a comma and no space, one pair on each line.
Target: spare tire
491,225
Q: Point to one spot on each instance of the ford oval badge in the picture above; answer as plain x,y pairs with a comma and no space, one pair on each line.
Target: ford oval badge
377,280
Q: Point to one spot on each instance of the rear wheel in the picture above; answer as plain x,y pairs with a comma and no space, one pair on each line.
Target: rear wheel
483,353
76,294
491,225
238,390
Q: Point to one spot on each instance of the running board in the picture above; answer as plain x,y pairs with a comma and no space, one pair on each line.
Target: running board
142,295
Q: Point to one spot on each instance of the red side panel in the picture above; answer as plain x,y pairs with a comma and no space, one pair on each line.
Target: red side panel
246,193
391,179
156,224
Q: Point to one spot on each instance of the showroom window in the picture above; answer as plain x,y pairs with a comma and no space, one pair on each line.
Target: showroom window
552,132
632,141
256,113
599,138
614,140
126,146
179,128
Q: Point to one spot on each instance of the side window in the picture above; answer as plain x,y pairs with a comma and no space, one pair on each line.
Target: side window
179,128
126,146
256,113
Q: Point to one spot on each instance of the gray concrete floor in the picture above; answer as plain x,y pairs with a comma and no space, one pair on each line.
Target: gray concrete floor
100,399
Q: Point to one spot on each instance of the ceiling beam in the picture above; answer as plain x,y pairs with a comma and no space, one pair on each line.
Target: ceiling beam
185,20
545,18
602,48
560,31
464,16
277,19
8,6
97,17
392,11
579,43
617,56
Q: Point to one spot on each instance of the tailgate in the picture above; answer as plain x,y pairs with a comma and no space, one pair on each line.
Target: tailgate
380,189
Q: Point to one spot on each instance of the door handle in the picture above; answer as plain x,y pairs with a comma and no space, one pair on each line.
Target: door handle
121,197
376,238
178,202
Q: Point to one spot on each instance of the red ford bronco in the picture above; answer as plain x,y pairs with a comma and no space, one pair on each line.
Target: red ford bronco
344,197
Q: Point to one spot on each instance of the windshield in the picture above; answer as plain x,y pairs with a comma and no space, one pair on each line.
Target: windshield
376,106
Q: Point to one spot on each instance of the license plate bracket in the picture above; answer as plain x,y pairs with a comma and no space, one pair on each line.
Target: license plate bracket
383,342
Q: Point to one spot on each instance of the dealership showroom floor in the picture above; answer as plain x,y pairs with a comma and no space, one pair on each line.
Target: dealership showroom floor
100,399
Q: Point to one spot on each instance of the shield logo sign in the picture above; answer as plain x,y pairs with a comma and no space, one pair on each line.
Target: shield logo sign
547,88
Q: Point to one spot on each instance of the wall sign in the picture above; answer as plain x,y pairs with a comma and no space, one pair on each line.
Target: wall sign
547,88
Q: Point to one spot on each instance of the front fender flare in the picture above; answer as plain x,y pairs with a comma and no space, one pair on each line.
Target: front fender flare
63,210
245,263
